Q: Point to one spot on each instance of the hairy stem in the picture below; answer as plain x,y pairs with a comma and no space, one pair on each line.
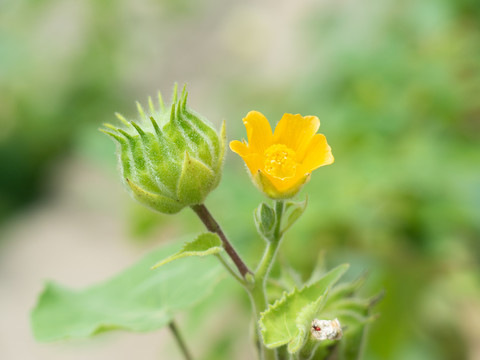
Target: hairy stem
270,253
257,288
259,303
258,292
180,342
279,209
212,226
266,263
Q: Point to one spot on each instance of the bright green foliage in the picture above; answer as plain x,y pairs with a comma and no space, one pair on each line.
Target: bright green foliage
288,320
138,299
169,158
204,244
354,314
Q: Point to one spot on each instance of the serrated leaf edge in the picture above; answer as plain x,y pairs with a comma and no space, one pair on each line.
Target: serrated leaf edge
285,295
182,254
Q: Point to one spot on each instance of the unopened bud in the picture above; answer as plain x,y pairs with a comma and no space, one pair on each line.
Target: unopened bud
170,157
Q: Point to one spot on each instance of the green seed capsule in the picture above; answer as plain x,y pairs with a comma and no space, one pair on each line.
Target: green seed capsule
169,158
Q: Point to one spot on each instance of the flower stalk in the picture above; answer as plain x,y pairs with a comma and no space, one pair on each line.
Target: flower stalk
258,291
271,250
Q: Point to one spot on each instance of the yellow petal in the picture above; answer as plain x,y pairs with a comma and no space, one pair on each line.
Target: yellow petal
295,131
318,153
239,147
259,132
254,162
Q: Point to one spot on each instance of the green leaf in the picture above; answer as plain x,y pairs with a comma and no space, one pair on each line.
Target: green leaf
296,210
344,290
319,269
286,320
204,244
353,312
138,299
351,347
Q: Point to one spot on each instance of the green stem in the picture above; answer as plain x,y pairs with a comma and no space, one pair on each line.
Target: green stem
279,209
263,269
309,349
257,288
181,343
258,292
259,303
266,263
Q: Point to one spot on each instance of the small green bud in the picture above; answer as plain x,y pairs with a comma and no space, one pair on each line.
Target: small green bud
264,217
171,157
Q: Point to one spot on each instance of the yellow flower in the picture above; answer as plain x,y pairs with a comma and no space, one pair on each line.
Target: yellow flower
281,162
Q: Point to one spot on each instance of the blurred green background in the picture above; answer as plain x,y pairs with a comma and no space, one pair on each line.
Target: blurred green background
396,85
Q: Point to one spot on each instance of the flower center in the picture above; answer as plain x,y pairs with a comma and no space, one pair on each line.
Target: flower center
280,161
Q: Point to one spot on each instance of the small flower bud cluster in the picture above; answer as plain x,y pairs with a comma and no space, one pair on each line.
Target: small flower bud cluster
171,157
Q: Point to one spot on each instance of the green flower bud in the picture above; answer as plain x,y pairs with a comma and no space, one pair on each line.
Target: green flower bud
265,220
171,157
